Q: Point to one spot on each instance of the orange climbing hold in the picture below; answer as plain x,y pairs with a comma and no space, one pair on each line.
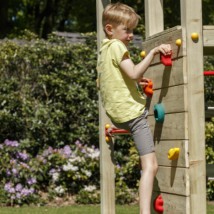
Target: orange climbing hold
148,89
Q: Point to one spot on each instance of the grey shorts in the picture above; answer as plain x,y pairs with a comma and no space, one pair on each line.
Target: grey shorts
140,132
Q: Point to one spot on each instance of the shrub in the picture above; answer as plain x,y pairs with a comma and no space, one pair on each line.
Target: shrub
48,101
55,171
209,131
88,195
48,92
210,154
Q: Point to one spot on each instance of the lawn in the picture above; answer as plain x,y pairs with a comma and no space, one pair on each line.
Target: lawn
77,210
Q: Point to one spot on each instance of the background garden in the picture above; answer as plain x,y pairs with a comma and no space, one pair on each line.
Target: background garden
49,140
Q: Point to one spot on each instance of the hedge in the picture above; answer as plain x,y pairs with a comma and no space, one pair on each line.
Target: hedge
48,93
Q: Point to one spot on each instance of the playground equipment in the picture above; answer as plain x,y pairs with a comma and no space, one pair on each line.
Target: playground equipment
159,113
173,153
208,73
158,204
179,90
148,89
113,132
166,60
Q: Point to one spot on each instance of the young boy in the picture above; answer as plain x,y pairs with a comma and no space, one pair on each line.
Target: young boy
123,103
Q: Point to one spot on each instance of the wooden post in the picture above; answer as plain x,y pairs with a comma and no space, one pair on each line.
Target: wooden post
153,17
106,149
191,21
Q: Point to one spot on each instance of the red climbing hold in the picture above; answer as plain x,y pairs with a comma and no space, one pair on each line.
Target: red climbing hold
158,204
166,59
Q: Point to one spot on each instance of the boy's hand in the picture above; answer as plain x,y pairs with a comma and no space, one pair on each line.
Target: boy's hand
143,81
109,130
165,49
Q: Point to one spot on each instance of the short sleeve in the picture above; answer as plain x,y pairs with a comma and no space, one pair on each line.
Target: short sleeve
118,50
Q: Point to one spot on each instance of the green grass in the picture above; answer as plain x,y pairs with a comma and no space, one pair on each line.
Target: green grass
77,209
210,208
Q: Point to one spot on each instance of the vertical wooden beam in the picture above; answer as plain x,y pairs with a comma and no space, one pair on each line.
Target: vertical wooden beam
153,17
106,149
191,21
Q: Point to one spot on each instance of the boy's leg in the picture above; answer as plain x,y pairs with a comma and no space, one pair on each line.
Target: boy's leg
149,169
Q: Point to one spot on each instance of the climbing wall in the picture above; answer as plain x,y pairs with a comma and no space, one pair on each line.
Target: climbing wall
170,125
178,122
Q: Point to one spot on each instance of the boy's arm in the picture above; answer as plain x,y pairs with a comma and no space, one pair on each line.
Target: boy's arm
135,72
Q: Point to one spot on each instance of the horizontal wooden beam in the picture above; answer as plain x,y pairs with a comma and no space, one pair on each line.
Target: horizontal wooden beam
208,39
173,203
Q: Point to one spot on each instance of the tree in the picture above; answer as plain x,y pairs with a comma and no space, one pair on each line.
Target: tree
4,15
45,16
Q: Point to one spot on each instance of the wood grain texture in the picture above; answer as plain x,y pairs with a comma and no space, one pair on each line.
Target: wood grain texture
174,127
162,148
153,24
173,204
173,180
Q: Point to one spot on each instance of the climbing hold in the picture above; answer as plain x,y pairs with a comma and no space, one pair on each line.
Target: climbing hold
148,89
194,36
178,42
158,204
143,54
107,126
173,153
166,59
113,131
116,131
159,113
108,139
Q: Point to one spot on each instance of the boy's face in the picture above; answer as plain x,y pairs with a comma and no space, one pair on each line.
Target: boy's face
122,33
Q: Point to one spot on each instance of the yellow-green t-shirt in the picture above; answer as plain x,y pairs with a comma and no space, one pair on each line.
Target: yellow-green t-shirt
120,97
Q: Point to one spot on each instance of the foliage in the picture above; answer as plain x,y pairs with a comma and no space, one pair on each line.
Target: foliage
127,171
48,93
209,80
56,171
209,125
210,154
45,16
48,100
60,172
210,190
209,134
18,179
88,195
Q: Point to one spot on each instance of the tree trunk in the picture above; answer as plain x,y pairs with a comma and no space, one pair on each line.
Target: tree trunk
4,28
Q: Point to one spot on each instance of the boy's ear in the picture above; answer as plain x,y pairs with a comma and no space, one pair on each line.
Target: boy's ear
109,29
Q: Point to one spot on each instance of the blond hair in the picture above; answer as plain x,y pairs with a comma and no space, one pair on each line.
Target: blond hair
119,13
